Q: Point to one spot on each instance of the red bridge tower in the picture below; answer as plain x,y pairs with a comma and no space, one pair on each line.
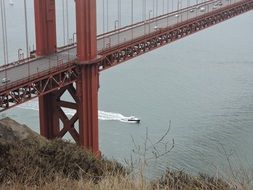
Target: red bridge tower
54,123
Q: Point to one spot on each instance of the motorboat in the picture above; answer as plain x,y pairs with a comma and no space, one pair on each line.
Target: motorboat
133,119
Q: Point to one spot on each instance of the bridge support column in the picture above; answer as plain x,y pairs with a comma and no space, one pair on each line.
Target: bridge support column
81,118
49,122
53,119
45,27
87,90
87,84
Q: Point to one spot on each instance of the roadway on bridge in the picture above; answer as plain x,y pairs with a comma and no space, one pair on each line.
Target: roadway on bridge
22,70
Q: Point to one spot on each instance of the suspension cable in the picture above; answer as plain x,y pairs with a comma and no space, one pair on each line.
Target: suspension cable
144,14
63,22
153,10
132,17
107,16
26,30
168,10
132,12
5,45
119,13
168,6
5,31
67,20
156,8
163,7
143,10
26,36
118,22
103,23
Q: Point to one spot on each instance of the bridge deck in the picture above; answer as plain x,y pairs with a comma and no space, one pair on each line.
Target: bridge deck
21,70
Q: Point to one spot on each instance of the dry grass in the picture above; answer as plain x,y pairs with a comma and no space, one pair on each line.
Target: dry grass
59,165
123,183
179,180
107,183
31,163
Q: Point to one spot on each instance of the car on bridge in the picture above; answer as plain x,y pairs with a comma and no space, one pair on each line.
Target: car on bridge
202,9
5,80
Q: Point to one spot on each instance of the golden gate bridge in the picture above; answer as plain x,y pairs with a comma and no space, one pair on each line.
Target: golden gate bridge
49,71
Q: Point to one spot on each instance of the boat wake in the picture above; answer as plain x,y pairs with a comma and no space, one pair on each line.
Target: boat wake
102,115
109,116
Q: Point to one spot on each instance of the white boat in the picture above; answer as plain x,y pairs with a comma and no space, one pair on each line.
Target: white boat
133,119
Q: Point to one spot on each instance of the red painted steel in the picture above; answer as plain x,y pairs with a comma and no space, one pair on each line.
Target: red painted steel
87,91
56,123
87,83
51,84
38,85
45,26
49,123
86,30
164,36
34,86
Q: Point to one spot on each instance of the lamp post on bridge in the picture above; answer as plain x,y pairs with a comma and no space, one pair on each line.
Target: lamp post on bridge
149,13
116,23
116,26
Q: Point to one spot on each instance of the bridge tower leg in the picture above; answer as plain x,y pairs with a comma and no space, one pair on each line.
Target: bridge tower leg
54,122
45,30
45,27
88,82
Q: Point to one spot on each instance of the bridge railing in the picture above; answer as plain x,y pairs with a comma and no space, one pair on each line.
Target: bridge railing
21,73
35,66
129,33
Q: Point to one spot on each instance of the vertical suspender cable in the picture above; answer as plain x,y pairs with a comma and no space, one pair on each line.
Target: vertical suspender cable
132,12
107,16
163,7
156,8
143,10
156,14
63,22
168,7
67,23
178,10
103,23
26,30
4,35
132,16
5,31
67,20
119,13
26,37
153,10
118,21
188,4
143,16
